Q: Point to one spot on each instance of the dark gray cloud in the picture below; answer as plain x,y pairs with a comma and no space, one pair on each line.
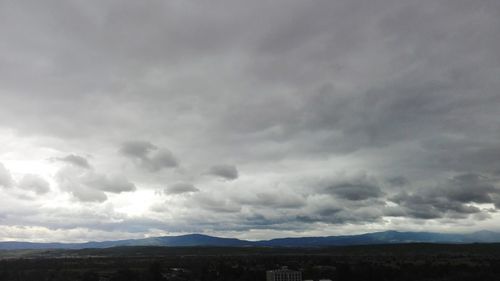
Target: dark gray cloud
356,187
398,181
228,172
463,154
149,156
471,188
428,207
354,191
334,216
137,149
180,187
286,200
454,197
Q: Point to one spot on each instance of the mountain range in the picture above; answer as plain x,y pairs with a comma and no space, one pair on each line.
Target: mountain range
190,240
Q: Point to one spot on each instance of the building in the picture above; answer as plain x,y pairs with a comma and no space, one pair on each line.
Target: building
283,274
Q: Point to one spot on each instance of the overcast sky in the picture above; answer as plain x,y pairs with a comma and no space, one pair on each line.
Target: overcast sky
249,119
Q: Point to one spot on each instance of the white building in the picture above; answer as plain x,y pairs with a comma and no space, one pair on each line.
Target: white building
283,274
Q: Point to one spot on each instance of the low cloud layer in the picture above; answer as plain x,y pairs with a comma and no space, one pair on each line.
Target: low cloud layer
252,119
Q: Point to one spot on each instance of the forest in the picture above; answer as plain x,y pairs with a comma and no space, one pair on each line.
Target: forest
354,263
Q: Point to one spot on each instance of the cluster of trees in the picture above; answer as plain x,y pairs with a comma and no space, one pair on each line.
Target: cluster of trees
252,267
153,274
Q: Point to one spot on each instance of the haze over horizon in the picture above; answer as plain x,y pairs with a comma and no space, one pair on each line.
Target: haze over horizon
248,119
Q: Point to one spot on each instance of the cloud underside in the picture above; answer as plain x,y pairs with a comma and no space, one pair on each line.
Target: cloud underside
149,156
228,172
181,187
233,116
89,185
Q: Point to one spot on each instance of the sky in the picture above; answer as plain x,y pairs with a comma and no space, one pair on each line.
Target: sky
248,119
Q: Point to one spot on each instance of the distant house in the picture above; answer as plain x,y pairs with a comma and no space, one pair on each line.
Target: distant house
283,274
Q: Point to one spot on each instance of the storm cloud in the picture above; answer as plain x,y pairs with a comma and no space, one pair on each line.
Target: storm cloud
454,197
248,118
355,192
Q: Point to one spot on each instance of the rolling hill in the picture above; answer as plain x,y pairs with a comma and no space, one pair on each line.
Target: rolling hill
192,240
